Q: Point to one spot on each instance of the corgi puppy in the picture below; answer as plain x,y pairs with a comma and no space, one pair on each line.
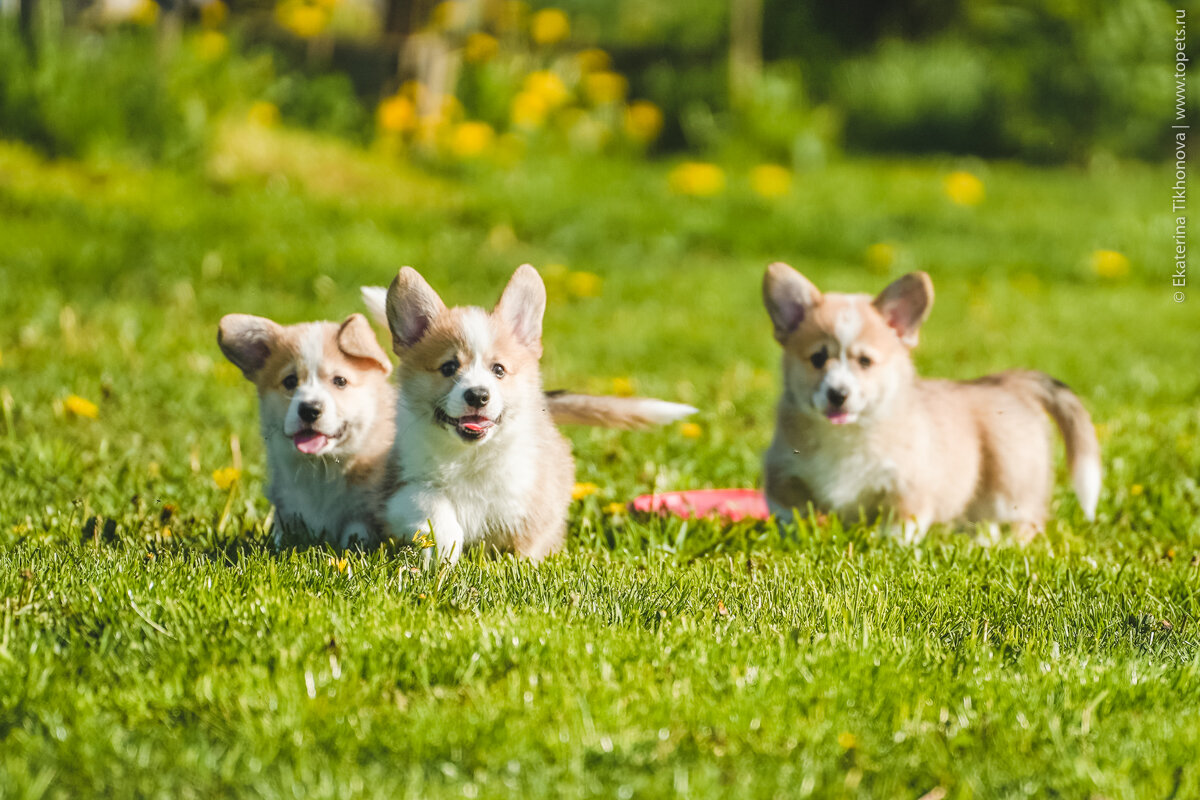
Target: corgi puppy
858,431
326,409
478,457
327,414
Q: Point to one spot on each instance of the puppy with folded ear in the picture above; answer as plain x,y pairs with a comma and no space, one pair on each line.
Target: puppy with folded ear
858,430
327,415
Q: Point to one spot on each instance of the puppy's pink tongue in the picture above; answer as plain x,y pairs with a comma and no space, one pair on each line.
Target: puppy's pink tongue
310,441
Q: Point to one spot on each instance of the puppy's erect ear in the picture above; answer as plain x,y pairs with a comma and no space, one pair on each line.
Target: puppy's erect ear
905,304
523,305
789,297
247,341
357,339
412,306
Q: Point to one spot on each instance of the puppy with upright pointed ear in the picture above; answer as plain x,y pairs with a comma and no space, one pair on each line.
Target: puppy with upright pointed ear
858,430
326,409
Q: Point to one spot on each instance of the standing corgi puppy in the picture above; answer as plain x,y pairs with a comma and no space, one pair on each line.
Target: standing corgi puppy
857,430
478,456
326,409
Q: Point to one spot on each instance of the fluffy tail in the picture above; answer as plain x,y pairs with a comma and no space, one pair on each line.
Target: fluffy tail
574,409
375,298
1075,424
613,412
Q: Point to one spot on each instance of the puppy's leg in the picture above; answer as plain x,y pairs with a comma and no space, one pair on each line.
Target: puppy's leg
416,512
355,534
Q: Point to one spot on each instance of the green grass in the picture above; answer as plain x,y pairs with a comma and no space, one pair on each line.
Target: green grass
151,644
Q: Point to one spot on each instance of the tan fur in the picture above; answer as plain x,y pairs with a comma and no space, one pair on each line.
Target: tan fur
924,451
510,489
334,495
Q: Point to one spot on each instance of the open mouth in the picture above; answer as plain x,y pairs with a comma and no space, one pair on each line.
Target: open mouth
313,442
840,416
471,427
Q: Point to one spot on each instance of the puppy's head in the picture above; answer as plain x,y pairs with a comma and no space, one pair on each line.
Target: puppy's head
318,382
468,369
845,355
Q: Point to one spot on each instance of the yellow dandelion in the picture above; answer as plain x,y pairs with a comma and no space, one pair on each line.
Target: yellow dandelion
592,60
549,26
264,114
690,430
154,469
165,533
582,490
480,48
145,13
211,45
697,179
584,284
643,121
342,565
301,18
213,13
881,256
964,188
77,406
613,509
770,180
1136,490
622,387
847,740
528,111
397,114
1110,264
471,139
226,477
605,88
548,86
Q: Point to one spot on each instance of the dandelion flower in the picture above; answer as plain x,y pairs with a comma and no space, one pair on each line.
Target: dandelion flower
213,13
528,111
226,477
145,13
605,88
697,179
643,121
548,86
1136,489
1110,264
964,188
480,48
471,139
613,509
584,284
264,114
622,387
549,26
592,60
582,490
302,19
846,740
211,45
770,180
79,407
690,430
397,114
881,256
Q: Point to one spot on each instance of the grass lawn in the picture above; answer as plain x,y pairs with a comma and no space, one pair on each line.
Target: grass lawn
151,644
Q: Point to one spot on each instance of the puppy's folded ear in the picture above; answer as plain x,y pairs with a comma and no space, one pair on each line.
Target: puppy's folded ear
247,341
522,306
789,297
356,339
412,306
905,304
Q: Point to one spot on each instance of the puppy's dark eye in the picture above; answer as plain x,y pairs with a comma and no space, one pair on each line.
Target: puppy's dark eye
864,361
498,370
819,358
291,382
339,381
449,368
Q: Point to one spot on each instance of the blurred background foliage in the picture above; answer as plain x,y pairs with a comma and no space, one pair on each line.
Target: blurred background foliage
791,81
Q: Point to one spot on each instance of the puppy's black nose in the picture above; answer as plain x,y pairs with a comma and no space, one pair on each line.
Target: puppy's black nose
309,412
476,396
836,398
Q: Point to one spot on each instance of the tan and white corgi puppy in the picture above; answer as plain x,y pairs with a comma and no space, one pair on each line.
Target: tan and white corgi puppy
326,409
858,431
478,457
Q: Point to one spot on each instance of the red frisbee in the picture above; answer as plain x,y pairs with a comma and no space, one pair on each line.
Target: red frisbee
732,504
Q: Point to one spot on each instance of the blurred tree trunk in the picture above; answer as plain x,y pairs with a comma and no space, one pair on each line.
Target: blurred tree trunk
745,48
25,13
